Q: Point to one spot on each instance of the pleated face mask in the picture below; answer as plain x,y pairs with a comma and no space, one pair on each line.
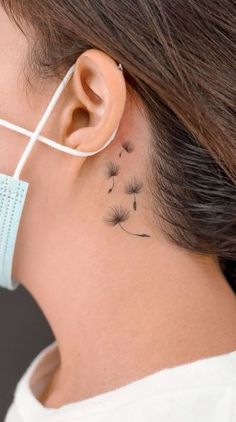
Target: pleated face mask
13,191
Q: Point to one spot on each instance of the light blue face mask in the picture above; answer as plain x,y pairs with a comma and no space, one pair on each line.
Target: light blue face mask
13,191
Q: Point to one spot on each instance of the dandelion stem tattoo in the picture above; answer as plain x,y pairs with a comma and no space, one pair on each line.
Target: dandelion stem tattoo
112,170
127,146
134,187
117,216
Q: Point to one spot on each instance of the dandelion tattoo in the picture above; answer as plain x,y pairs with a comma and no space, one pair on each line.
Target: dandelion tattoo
127,146
112,171
117,216
134,187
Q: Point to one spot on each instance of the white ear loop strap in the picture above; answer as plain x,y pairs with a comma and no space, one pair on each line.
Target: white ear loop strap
47,141
42,122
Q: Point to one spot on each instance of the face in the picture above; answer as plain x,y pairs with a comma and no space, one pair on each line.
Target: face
24,108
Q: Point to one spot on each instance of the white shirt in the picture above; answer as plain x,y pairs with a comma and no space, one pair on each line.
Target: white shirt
199,391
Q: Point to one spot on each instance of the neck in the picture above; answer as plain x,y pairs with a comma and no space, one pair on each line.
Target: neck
123,317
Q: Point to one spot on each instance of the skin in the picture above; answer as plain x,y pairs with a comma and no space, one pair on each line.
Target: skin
120,306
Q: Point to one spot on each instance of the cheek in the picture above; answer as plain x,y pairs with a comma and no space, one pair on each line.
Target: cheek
13,109
11,149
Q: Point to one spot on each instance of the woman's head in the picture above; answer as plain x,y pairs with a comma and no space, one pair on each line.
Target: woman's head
176,112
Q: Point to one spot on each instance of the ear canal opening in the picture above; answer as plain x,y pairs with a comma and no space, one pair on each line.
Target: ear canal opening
80,118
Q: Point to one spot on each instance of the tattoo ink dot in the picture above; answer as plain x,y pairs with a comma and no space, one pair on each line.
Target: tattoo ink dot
134,187
112,171
127,146
117,216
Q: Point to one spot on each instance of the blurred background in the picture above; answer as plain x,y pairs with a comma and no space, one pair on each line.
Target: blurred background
24,333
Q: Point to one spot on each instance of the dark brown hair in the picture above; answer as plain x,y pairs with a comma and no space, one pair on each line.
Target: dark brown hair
179,56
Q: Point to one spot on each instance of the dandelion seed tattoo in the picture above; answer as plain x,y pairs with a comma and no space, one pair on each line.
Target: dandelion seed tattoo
112,171
117,216
134,187
127,146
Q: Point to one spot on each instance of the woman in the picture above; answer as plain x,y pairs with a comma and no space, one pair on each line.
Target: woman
129,246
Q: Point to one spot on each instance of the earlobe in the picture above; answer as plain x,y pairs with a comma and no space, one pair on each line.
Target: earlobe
95,103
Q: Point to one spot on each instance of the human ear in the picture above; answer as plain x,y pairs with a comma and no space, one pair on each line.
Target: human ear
96,101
